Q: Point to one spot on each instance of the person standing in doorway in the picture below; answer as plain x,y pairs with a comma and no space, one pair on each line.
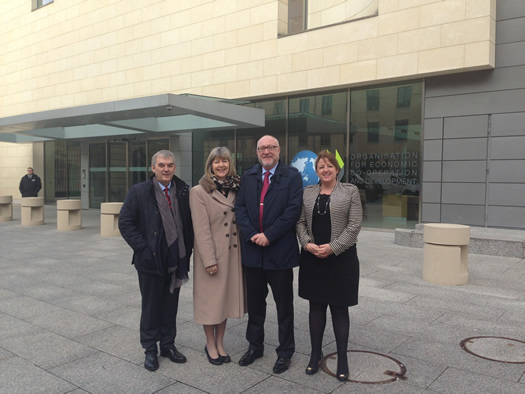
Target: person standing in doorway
155,220
30,184
268,206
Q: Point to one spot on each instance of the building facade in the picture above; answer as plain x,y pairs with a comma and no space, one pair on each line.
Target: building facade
423,99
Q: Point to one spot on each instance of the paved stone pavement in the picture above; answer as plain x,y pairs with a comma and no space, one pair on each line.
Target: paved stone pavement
70,307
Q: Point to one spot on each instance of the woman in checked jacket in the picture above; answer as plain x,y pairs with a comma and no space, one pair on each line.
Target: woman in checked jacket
329,268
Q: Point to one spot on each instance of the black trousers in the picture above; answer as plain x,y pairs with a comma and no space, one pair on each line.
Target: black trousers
159,312
280,281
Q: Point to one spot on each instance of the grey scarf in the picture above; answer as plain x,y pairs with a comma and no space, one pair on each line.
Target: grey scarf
171,221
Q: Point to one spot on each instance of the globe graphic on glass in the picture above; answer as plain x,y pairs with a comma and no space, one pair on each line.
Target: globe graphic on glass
304,161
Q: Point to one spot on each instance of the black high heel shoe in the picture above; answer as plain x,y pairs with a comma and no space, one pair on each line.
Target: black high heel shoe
214,361
313,370
342,377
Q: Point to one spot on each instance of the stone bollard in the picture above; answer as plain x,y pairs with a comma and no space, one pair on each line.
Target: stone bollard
109,214
6,208
69,215
445,260
32,211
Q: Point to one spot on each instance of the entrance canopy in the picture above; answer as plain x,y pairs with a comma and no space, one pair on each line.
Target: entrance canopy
161,113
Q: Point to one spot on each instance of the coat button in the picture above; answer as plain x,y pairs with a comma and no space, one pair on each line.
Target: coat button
233,221
227,235
234,246
225,213
226,224
234,234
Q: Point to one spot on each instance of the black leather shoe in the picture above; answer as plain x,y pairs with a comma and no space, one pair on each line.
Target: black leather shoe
281,365
174,355
214,361
151,363
249,357
225,359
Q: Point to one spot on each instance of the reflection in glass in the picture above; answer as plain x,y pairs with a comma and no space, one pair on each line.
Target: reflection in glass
323,126
384,158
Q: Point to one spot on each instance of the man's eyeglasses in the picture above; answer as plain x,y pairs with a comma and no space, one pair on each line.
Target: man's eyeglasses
270,148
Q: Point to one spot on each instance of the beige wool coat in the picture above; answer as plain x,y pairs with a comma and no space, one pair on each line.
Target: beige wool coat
220,296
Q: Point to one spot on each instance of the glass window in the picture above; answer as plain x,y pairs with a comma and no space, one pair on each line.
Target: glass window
373,131
401,130
304,105
73,169
404,95
327,105
138,162
97,174
117,171
296,16
62,170
311,14
317,130
384,157
278,108
372,100
40,3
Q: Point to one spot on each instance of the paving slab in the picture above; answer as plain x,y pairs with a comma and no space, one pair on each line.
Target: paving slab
458,381
18,376
70,311
102,373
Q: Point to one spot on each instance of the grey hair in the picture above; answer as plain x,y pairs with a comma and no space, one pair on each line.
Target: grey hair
163,153
223,153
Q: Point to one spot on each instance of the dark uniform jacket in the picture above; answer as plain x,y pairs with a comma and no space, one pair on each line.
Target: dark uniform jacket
30,187
140,224
282,207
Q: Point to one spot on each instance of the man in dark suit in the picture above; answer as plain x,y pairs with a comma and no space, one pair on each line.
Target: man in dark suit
267,208
30,184
155,221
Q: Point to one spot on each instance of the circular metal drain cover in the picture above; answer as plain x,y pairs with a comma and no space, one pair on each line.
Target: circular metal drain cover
367,367
501,349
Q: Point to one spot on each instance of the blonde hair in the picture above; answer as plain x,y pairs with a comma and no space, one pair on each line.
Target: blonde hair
220,152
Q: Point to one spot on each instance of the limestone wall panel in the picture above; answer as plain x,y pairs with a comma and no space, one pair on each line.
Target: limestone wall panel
88,52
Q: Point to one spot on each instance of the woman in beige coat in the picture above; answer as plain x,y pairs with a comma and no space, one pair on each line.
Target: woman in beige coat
218,284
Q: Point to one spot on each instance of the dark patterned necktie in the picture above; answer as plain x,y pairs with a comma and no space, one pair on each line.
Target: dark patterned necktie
266,183
167,193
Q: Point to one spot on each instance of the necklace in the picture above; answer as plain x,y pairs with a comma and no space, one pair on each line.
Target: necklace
327,201
326,205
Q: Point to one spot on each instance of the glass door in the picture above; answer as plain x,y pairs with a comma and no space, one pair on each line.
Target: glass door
97,174
117,171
